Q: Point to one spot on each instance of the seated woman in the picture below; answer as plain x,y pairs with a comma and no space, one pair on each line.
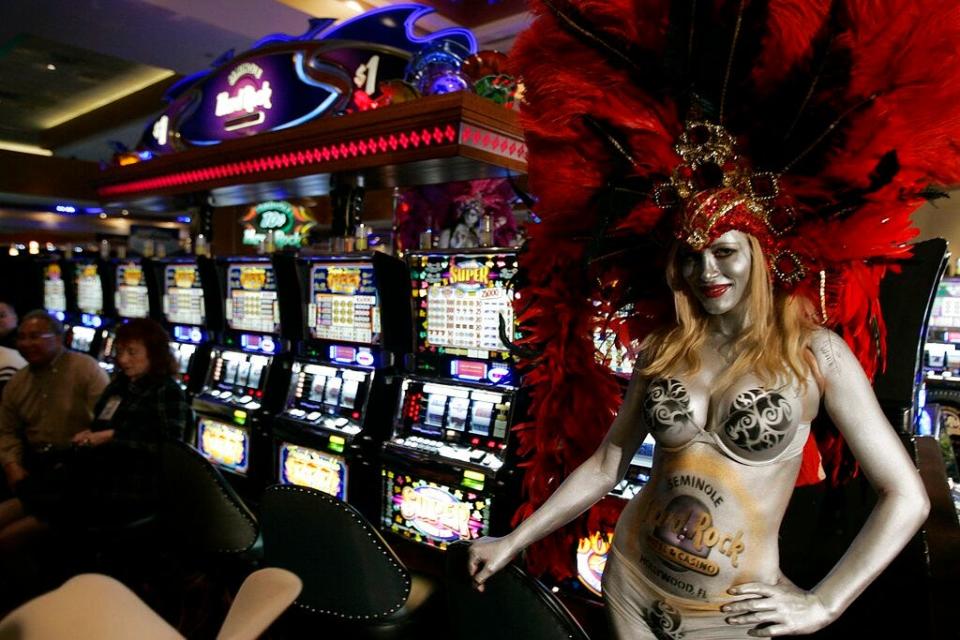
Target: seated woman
114,475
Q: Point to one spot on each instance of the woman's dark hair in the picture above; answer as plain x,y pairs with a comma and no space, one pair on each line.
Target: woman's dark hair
155,339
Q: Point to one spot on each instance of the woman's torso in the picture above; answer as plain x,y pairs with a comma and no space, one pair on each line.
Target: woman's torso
722,476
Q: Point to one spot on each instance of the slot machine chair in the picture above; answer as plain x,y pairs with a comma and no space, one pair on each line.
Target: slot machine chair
97,607
199,508
513,604
352,579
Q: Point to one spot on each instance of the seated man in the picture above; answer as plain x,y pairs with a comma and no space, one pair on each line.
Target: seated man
47,402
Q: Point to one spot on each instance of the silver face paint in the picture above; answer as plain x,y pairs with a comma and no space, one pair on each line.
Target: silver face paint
719,275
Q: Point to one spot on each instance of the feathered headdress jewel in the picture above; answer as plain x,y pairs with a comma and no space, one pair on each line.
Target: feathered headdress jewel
817,126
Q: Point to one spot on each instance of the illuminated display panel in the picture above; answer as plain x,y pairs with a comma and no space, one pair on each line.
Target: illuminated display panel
183,295
319,391
224,444
592,560
131,291
611,353
239,372
54,290
81,338
89,288
307,467
463,298
431,513
344,305
252,298
456,414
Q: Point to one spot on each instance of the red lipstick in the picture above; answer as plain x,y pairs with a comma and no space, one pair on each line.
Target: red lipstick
715,291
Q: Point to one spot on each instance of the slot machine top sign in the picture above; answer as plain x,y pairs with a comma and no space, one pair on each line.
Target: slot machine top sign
183,295
131,293
462,300
252,298
284,81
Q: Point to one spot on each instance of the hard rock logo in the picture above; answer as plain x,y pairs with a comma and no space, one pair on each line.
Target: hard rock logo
684,536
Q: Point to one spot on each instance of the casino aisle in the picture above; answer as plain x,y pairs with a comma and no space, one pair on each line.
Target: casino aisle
330,226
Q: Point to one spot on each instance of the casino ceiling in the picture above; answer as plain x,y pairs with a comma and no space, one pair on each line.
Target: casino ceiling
78,75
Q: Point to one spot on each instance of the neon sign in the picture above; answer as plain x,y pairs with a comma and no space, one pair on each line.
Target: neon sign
285,81
288,222
592,559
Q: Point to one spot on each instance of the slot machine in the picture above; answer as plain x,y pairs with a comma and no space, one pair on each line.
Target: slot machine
59,296
247,376
91,298
591,551
129,298
449,471
189,306
342,391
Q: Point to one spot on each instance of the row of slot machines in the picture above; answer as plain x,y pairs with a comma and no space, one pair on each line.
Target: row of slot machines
387,384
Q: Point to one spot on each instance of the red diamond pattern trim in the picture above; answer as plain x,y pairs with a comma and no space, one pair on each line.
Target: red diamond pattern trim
440,134
493,142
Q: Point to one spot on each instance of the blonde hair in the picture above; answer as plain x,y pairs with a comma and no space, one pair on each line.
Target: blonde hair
774,345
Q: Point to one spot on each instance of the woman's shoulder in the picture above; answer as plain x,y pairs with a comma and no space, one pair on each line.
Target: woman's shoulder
830,350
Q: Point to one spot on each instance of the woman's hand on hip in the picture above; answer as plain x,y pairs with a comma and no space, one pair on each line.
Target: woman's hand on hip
783,609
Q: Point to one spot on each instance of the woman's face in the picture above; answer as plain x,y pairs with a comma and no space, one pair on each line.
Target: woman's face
719,275
132,359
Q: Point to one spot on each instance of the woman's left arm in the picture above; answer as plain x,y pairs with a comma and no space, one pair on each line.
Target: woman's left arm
901,507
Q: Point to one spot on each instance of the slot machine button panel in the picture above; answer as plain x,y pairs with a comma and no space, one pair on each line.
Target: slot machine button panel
253,406
313,416
244,399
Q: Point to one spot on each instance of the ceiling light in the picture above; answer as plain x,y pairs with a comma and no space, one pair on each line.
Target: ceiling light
51,67
111,91
24,148
103,216
124,212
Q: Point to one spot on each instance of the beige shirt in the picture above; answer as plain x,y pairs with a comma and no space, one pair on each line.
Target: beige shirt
48,405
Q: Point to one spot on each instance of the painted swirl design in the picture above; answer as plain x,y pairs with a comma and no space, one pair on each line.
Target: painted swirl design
758,420
664,620
667,403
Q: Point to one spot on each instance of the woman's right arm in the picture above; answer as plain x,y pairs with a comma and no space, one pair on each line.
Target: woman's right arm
588,483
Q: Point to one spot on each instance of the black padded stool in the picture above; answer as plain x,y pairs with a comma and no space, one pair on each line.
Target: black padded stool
513,604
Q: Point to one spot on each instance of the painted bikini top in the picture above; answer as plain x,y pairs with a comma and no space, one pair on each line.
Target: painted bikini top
759,427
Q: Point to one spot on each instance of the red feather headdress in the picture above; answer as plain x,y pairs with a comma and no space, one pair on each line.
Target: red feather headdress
834,117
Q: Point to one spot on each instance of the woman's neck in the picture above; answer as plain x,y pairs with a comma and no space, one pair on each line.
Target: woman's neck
731,324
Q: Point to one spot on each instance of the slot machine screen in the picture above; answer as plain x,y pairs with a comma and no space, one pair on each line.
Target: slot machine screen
224,444
432,513
252,298
183,294
307,467
461,302
343,303
456,414
945,311
131,292
239,372
89,288
322,390
54,290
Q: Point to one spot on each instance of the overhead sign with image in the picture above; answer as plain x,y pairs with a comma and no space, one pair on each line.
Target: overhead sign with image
289,223
284,81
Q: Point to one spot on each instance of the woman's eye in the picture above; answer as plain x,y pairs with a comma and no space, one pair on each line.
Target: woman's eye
723,252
